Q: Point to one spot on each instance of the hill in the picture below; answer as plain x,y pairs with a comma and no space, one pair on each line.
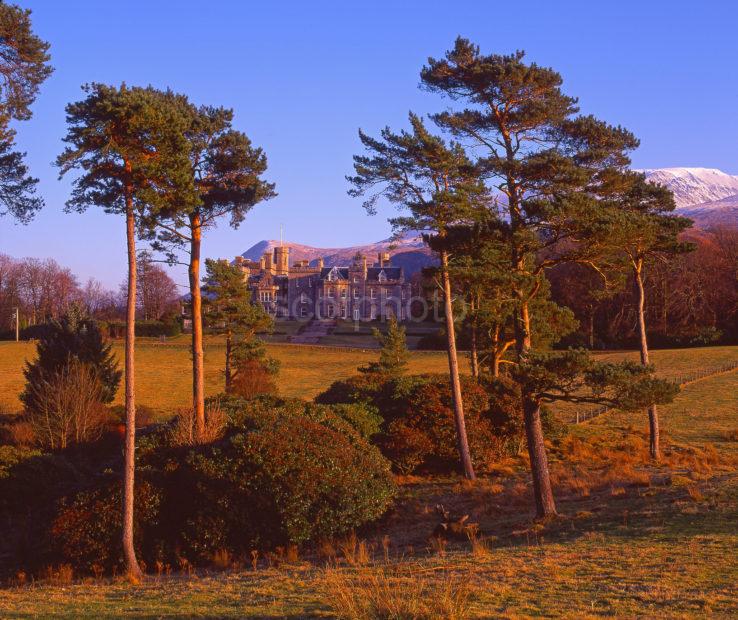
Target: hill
408,252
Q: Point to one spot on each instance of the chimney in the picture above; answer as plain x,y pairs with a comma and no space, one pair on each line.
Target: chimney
321,263
384,259
364,265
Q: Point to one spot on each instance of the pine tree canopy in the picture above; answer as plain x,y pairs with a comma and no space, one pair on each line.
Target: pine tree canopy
24,65
435,181
227,302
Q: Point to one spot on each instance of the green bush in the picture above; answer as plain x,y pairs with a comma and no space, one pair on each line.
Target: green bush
88,529
418,431
285,472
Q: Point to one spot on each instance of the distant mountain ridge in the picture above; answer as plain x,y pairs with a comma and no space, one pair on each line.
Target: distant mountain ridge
707,195
408,252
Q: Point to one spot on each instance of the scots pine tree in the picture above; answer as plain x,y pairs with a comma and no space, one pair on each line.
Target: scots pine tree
226,172
228,309
646,231
24,65
440,187
550,166
128,146
393,354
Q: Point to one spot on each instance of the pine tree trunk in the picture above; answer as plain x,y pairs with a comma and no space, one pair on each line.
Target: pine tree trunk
495,352
545,504
129,552
228,361
453,366
198,372
474,354
591,330
653,415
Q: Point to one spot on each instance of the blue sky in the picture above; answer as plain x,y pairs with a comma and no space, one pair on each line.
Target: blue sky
302,77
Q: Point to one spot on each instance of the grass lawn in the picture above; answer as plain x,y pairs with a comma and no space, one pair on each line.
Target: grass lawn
163,379
634,539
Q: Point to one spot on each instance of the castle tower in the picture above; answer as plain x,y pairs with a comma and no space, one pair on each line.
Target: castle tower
282,260
266,262
321,263
384,259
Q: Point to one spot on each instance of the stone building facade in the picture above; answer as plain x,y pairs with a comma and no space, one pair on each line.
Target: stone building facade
358,292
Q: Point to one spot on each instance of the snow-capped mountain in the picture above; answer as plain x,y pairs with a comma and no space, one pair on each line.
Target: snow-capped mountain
707,195
408,252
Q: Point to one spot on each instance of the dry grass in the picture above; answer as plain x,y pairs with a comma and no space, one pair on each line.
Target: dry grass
396,592
182,430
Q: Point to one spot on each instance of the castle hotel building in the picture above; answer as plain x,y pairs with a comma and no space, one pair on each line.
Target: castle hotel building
359,292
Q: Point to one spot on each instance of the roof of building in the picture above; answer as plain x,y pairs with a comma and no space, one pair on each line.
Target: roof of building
373,274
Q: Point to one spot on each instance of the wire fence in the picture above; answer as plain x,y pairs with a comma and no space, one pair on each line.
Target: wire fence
582,415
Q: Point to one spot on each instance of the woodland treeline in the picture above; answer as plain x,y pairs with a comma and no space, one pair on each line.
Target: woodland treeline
43,290
692,298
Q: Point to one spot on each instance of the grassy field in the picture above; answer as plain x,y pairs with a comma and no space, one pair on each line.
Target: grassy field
163,370
163,379
633,539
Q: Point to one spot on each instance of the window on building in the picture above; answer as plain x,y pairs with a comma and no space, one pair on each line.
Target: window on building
343,293
303,311
303,297
373,313
356,279
343,312
357,314
372,293
356,293
330,292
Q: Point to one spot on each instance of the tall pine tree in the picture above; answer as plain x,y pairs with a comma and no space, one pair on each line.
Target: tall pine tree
128,145
226,171
438,184
551,168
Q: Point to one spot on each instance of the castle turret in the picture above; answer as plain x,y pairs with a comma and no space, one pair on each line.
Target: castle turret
282,260
266,262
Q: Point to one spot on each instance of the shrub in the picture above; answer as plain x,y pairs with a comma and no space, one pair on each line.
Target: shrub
20,433
279,480
418,429
284,472
252,378
66,407
182,427
425,435
88,529
146,329
75,337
